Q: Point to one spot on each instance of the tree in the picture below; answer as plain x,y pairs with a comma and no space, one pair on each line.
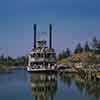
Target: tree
96,46
68,52
64,54
60,56
78,49
94,42
86,47
2,57
9,58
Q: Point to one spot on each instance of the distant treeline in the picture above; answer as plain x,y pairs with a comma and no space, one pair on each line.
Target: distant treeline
9,61
93,47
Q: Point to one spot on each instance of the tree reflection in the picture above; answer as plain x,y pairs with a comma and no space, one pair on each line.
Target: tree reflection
90,85
67,79
44,86
84,82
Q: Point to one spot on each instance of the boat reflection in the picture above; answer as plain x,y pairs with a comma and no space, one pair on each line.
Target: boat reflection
44,86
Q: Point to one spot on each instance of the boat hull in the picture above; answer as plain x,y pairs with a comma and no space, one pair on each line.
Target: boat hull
40,70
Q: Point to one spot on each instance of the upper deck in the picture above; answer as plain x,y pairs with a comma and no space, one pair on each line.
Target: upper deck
42,53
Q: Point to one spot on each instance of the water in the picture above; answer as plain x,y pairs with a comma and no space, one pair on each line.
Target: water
21,85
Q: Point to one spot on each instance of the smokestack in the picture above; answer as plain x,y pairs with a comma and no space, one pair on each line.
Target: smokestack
34,35
50,30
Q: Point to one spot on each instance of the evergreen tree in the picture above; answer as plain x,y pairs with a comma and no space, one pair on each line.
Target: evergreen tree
97,50
86,47
78,49
98,44
94,39
60,56
2,57
9,58
64,54
68,52
94,42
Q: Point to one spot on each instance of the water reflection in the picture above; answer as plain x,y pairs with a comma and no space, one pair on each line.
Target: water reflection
86,84
43,86
22,85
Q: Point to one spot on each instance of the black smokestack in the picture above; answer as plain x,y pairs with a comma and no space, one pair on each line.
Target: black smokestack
50,30
34,35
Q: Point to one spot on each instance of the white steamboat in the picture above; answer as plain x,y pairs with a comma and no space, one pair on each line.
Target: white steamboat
42,58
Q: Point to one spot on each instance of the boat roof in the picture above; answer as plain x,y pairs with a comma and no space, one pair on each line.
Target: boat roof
41,50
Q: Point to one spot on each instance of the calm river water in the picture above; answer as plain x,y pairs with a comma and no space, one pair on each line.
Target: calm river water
21,85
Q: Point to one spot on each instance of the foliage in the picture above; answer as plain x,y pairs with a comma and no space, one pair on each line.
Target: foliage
88,53
94,42
64,54
78,49
96,45
86,47
9,61
63,61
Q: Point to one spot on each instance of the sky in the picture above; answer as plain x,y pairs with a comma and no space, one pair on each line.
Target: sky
73,21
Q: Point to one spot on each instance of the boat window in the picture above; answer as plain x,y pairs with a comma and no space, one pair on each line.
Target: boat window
48,55
46,64
53,55
38,54
33,55
42,55
32,63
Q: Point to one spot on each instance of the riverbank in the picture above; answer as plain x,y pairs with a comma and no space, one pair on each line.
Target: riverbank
7,69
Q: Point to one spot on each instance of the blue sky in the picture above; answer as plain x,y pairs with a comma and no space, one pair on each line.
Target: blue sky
73,21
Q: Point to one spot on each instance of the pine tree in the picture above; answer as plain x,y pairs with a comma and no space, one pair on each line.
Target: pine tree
2,57
78,49
94,42
68,52
86,47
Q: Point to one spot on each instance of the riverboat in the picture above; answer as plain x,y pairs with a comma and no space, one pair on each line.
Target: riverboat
42,58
